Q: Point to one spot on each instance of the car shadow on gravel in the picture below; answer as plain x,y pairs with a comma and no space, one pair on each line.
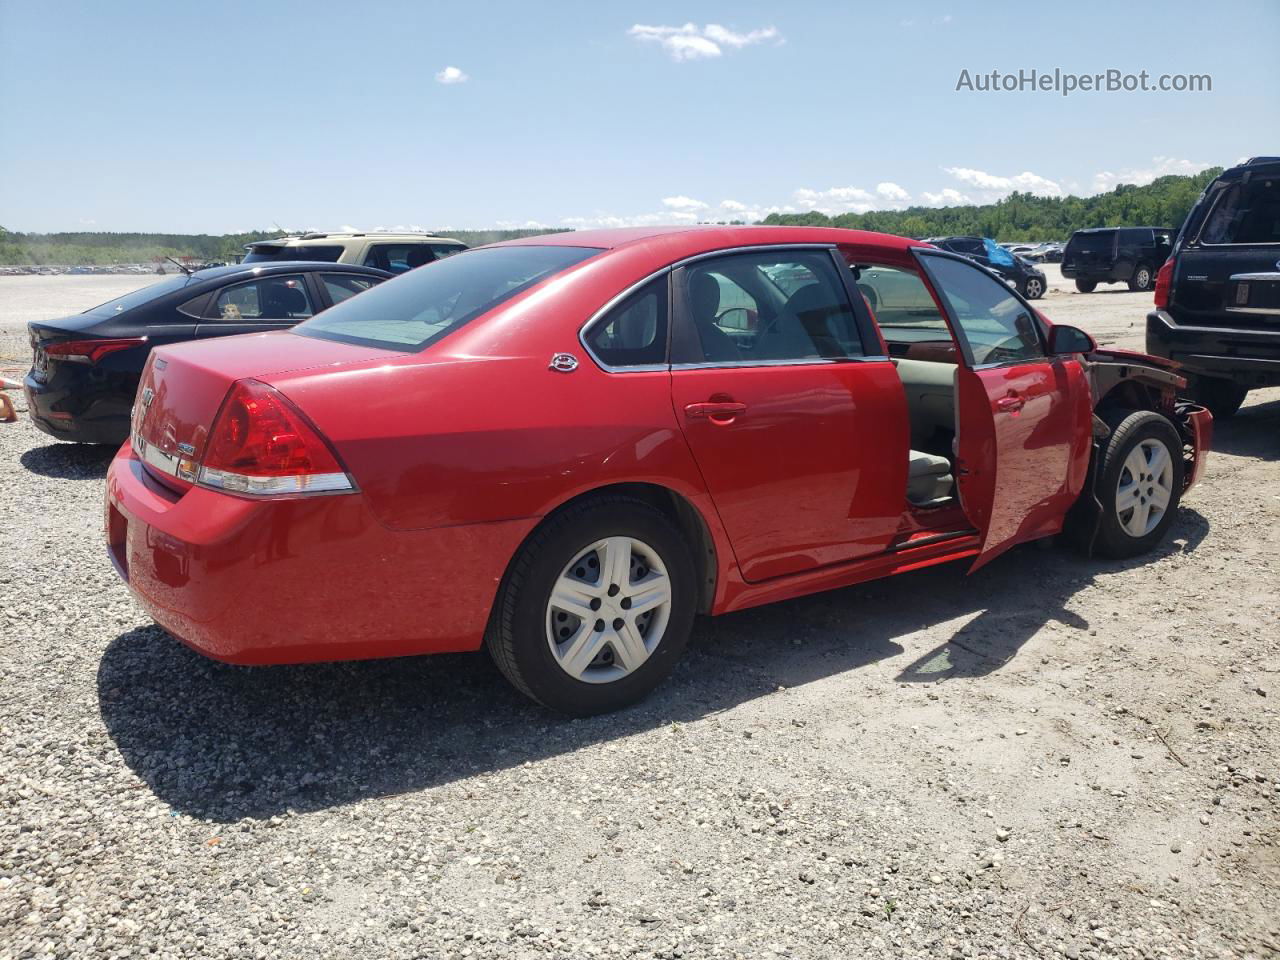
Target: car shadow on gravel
225,743
1253,432
69,461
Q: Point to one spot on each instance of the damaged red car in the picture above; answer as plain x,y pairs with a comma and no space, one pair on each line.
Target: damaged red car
564,448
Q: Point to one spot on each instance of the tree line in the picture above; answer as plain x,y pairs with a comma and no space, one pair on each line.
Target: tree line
36,249
1164,202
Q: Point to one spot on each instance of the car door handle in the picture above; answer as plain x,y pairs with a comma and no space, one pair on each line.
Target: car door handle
719,411
1010,404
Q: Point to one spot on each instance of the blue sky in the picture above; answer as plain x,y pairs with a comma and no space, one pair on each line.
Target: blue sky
227,115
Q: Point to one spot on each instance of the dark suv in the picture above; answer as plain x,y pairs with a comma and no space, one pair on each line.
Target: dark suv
1218,296
1018,273
1129,255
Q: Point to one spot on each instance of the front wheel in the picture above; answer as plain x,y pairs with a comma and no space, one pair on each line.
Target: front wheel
1086,286
1139,485
1033,288
596,608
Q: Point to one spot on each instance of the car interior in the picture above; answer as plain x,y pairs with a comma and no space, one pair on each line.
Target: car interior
924,353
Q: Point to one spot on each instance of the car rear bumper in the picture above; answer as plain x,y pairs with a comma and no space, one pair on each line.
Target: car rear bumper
299,580
1097,274
1249,357
66,413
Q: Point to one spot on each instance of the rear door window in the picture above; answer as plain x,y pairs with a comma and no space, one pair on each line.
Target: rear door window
787,305
1245,213
267,298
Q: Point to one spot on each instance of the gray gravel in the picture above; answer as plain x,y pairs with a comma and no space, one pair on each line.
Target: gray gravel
1054,757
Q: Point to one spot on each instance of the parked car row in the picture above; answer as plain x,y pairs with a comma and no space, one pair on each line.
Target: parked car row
1013,269
563,448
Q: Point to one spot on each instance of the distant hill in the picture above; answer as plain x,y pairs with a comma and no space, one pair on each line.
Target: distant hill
1022,216
106,248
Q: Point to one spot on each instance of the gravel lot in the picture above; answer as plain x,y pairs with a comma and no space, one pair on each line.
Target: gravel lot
1055,756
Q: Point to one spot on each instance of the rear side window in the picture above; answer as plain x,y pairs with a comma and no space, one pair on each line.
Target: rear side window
341,286
1245,213
1134,236
1092,242
267,298
399,257
417,309
442,250
634,333
267,252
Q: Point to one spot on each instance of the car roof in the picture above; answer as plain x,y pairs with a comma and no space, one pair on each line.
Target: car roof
685,241
284,266
321,238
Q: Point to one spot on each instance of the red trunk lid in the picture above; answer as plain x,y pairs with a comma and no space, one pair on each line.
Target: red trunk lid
183,387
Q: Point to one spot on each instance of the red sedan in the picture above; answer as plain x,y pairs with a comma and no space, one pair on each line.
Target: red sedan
564,448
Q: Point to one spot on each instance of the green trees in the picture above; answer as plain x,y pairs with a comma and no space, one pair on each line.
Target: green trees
1022,216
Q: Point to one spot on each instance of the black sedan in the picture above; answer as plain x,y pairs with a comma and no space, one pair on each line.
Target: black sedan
1012,269
86,367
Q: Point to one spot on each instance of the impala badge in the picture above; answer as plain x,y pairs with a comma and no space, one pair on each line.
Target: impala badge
563,363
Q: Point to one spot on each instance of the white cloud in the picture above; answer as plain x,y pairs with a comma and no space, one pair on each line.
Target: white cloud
892,192
683,203
946,197
733,206
522,225
451,75
691,42
89,222
835,200
1026,182
1105,180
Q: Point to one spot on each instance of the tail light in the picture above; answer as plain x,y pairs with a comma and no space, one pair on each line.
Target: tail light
1164,282
261,444
89,351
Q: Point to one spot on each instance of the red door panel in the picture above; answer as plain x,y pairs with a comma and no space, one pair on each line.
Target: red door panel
1023,448
806,464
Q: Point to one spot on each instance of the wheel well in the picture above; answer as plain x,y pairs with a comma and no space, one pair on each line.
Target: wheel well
682,513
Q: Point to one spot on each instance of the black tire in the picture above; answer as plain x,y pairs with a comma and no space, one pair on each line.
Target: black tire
1128,429
517,637
1220,397
1032,288
1142,278
1086,286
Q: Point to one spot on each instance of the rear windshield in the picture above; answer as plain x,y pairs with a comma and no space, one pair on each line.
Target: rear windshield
1245,213
266,252
1092,242
419,307
145,295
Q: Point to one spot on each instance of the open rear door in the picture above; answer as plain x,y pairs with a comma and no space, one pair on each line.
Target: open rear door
1022,417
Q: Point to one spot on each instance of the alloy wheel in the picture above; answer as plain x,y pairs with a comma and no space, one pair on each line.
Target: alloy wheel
1145,488
1034,289
608,610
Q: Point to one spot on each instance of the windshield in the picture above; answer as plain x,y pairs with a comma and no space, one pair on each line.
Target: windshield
421,306
145,295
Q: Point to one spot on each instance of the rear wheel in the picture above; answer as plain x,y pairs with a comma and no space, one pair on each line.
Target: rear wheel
1220,397
1141,279
1139,485
596,608
1086,286
1033,288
